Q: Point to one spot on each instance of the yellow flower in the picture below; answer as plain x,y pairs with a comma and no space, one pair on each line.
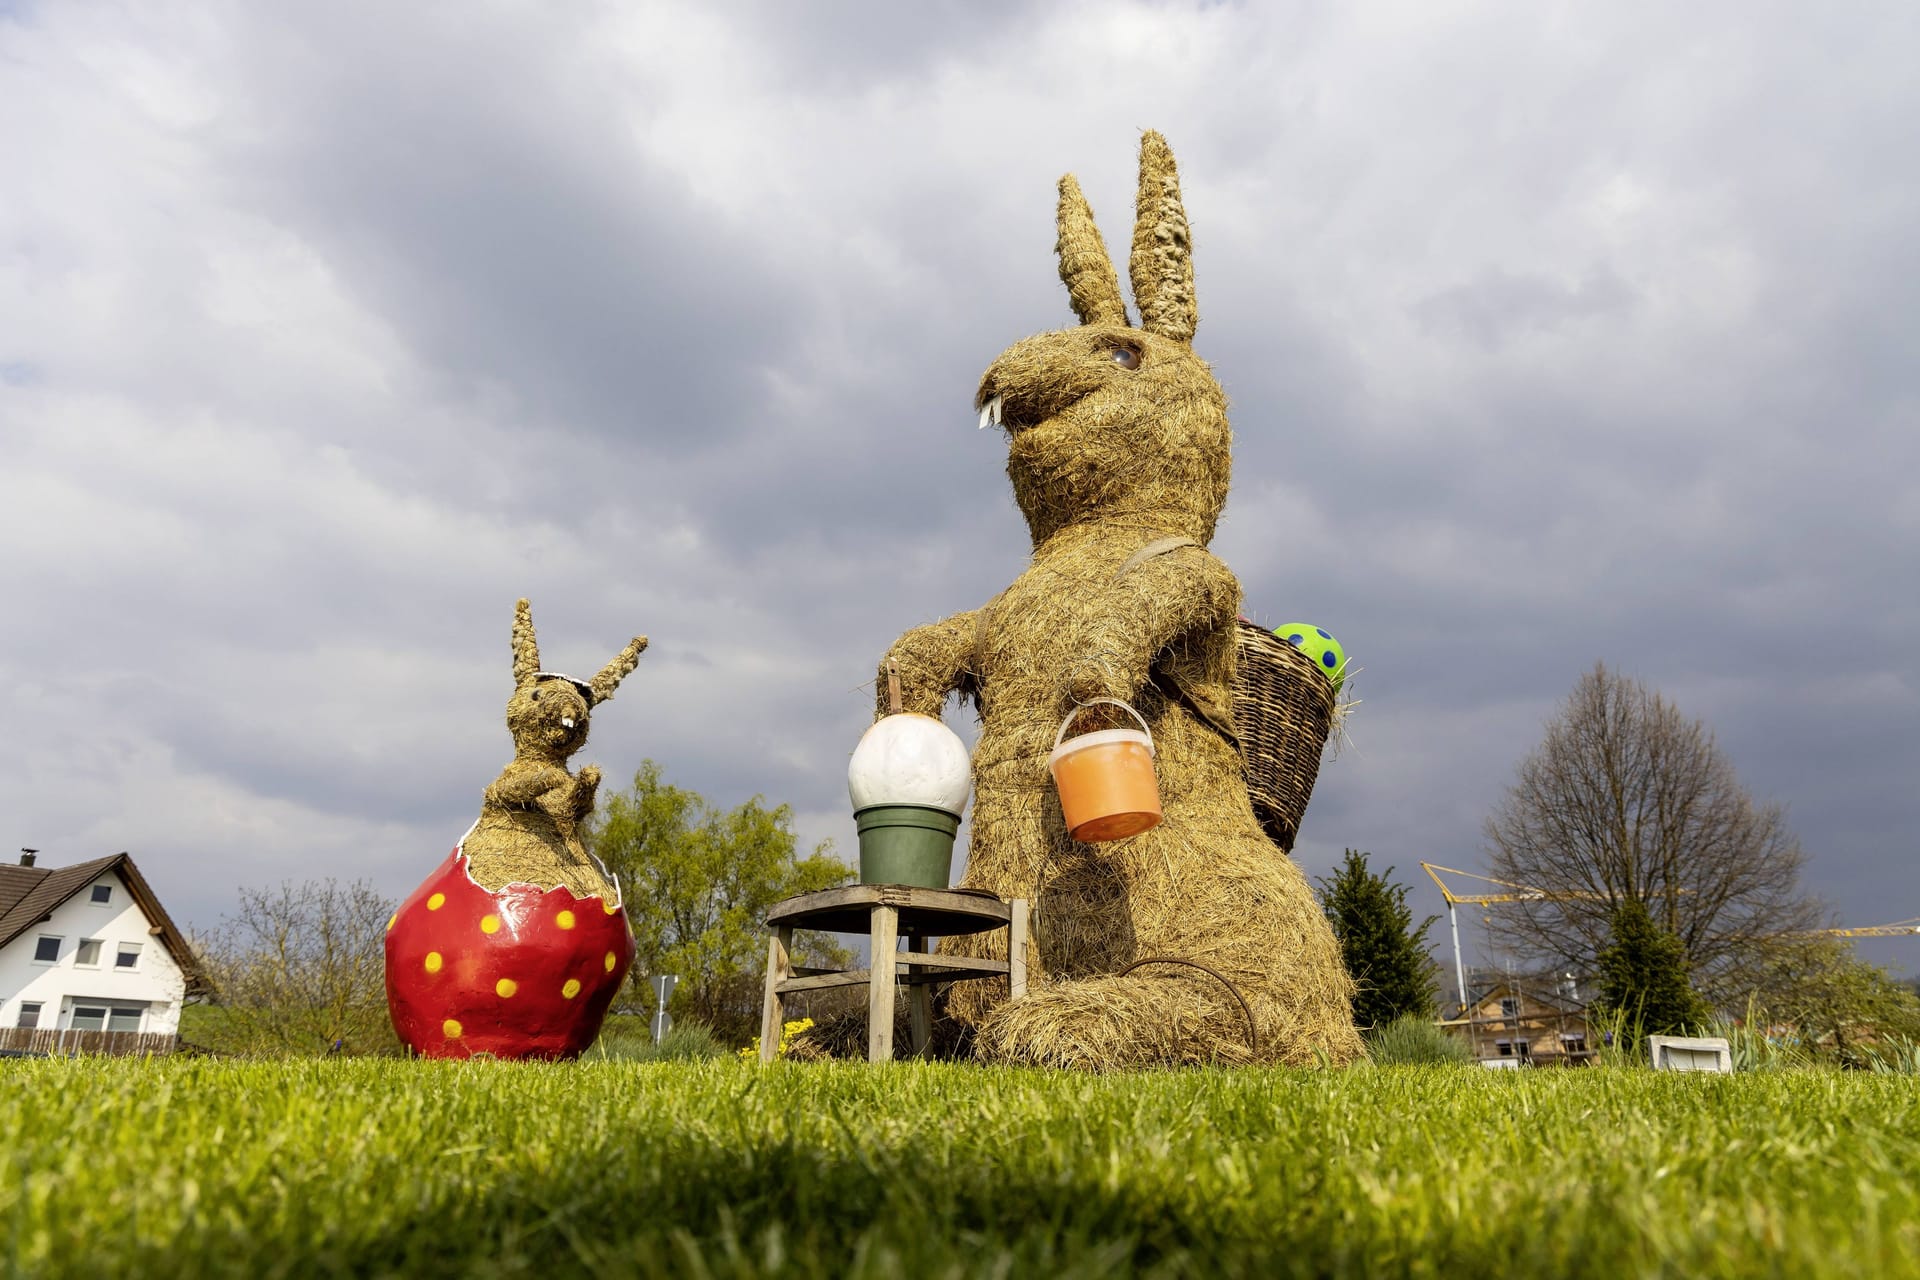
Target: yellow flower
787,1033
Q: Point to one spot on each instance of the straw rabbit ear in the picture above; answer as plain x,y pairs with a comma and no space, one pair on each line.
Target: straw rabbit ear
1092,286
1161,265
526,651
614,672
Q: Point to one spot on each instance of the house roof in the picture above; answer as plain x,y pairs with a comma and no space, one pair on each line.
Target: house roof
28,895
1541,989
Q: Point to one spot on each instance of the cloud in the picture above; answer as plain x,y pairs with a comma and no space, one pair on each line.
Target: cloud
1496,305
338,331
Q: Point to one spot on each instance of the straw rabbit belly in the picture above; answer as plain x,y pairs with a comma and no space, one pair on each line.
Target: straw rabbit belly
1119,443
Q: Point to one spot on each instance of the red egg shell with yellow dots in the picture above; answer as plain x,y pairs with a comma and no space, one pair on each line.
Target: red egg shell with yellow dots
524,972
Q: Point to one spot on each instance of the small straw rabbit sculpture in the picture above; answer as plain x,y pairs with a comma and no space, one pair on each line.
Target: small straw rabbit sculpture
1197,941
516,945
530,816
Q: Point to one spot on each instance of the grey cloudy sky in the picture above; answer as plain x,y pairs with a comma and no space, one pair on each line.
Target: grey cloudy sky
1553,333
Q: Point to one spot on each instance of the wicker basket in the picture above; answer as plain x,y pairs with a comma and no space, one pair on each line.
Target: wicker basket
1283,711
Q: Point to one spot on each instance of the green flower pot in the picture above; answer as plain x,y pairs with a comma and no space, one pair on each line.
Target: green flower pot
908,844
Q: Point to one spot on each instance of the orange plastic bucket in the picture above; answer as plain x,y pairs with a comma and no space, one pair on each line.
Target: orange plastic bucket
1107,786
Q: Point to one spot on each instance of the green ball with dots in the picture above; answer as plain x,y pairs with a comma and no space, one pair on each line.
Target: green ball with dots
1318,645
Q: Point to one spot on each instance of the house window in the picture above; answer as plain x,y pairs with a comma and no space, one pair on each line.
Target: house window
1505,1047
47,950
128,956
1573,1043
107,1017
87,955
1509,1007
103,894
1520,1050
29,1014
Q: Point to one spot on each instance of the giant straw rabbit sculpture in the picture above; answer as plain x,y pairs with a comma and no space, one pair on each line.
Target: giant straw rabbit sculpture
1199,940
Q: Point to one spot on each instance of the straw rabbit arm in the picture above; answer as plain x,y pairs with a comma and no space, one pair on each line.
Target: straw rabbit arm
520,785
934,660
1155,605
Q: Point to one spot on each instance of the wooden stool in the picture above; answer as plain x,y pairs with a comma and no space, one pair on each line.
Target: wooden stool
889,912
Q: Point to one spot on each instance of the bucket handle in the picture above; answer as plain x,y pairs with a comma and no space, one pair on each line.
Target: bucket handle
1061,736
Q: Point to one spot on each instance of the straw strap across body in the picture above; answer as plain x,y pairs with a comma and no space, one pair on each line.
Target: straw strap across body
1169,684
1279,718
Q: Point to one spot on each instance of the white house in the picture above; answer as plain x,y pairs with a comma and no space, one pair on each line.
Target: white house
87,948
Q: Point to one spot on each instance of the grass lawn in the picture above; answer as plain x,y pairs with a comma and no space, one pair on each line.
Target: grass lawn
366,1167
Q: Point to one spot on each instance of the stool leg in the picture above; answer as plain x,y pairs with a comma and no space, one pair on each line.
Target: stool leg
1019,926
773,1006
919,1003
880,983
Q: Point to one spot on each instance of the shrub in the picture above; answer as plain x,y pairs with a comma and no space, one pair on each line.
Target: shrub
1414,1041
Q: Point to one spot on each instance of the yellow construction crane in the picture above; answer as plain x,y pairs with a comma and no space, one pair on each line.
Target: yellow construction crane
1527,893
1898,929
1513,893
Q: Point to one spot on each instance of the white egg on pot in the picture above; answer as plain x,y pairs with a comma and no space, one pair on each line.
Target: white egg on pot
908,758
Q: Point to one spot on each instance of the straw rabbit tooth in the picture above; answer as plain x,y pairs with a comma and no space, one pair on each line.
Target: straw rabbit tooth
990,413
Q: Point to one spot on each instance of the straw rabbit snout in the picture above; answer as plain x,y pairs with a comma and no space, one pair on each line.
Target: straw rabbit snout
1107,418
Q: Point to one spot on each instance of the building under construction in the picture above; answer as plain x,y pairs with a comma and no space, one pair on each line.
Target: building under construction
1516,1020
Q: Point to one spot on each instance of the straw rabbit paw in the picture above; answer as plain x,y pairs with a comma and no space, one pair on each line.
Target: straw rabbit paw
586,784
571,800
930,660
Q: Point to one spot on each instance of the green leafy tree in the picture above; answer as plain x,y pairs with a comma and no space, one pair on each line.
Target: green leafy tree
1383,950
697,881
1813,985
1643,976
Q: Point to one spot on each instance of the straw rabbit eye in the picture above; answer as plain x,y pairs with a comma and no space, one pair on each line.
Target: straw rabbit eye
536,695
1126,357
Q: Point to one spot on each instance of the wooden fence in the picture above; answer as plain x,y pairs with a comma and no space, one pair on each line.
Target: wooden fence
46,1040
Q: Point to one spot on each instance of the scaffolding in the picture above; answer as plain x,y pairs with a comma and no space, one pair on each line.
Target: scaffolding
1511,893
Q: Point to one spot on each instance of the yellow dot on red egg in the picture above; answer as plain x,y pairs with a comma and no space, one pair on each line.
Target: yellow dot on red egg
391,919
505,987
611,907
564,919
436,902
611,961
450,1029
572,988
433,962
489,924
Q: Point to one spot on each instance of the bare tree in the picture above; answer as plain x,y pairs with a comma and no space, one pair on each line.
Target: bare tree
302,969
1624,800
